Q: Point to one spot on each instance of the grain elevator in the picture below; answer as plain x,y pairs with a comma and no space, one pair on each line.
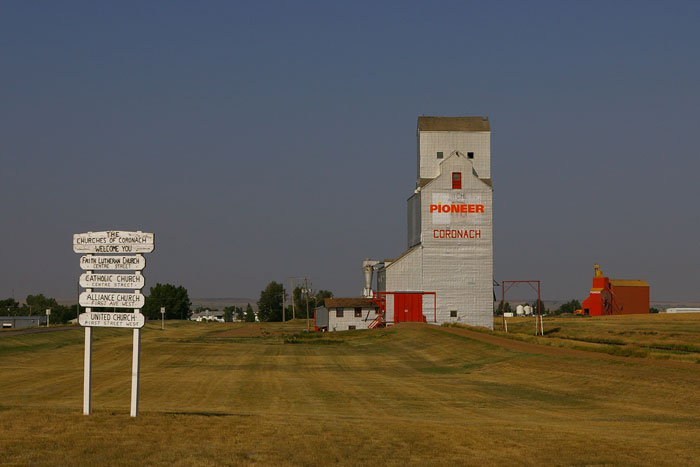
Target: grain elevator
447,268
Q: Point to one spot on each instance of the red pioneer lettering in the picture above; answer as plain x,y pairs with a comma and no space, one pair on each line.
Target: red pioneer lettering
457,208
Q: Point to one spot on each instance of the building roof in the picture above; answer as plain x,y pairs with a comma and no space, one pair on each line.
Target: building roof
628,283
395,260
453,124
349,303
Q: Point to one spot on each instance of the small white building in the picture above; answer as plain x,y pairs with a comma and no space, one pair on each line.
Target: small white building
208,315
346,314
683,310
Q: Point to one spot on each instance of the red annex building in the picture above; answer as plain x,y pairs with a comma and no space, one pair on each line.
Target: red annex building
615,296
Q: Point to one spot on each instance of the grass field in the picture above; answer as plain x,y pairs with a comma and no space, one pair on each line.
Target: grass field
660,336
252,394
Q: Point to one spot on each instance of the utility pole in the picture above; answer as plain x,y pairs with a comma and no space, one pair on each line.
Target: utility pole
284,302
291,287
306,289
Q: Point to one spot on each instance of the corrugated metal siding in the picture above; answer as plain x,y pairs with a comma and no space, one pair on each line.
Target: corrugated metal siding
414,220
459,270
348,319
17,322
321,315
406,273
429,143
381,280
631,299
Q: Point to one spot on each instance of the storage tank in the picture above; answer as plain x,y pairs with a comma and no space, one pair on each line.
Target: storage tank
528,310
519,310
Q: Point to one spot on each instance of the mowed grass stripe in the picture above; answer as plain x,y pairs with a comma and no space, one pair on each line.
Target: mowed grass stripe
411,395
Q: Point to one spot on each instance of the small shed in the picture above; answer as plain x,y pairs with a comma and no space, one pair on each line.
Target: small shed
346,314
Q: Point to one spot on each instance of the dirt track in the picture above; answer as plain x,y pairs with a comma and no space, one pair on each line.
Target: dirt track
17,332
251,330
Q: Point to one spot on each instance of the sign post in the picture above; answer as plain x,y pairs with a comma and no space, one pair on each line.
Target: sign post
124,261
48,315
162,318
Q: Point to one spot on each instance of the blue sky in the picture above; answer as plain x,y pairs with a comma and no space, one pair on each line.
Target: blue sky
261,140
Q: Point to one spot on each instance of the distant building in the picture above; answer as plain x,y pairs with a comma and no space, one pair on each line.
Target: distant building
683,310
15,322
615,296
346,314
208,315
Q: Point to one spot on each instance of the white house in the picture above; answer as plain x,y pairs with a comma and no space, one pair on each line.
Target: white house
346,314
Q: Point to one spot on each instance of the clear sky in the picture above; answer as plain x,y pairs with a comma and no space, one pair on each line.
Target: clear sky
261,140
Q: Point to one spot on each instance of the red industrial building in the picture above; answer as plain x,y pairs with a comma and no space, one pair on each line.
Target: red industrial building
615,296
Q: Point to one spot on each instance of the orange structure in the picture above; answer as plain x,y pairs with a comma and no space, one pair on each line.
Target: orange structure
615,296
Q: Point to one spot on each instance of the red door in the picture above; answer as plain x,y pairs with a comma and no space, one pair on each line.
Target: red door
408,307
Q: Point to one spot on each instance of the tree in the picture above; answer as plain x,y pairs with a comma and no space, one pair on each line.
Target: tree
315,301
568,307
175,300
249,314
8,303
270,303
38,304
298,300
500,310
543,310
321,297
233,312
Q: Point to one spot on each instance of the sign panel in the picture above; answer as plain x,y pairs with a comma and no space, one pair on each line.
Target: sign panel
113,241
112,263
112,320
457,209
112,281
111,299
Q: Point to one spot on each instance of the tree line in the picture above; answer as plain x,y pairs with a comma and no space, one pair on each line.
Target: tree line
174,299
36,305
273,296
177,304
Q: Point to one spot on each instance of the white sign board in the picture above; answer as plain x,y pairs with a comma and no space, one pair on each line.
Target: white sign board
111,300
109,280
112,320
112,263
113,241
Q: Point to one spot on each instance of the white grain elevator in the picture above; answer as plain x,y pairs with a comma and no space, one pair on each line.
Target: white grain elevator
450,226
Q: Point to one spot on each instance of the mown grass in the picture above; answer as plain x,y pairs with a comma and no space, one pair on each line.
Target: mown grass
402,396
661,336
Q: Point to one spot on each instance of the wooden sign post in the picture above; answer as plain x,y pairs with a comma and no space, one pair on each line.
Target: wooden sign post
124,256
